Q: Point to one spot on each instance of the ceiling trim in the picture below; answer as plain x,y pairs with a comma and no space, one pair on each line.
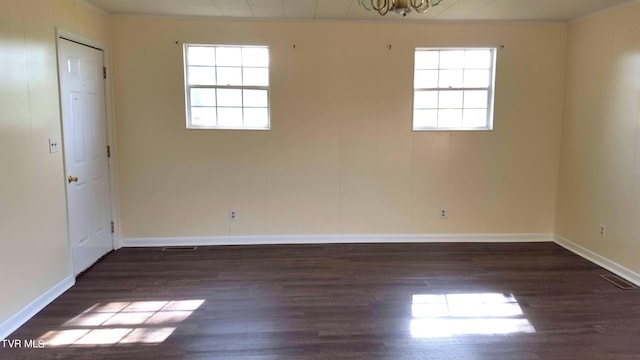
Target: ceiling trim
346,21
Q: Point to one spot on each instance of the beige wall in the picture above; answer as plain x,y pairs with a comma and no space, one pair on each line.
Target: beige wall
33,226
600,162
341,157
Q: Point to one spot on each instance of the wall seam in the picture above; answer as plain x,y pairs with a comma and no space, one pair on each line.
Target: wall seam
563,119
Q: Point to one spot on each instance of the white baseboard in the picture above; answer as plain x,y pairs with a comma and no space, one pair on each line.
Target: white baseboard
117,244
331,239
22,316
597,259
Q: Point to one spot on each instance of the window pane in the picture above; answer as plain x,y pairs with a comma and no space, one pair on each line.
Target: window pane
475,118
477,59
450,99
256,98
450,118
452,59
228,86
256,117
228,56
230,117
203,97
425,79
256,76
255,57
427,59
451,78
425,100
476,78
440,79
204,55
199,75
425,119
203,116
229,97
229,76
475,99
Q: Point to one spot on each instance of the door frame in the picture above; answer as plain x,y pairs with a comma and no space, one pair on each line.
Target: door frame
109,117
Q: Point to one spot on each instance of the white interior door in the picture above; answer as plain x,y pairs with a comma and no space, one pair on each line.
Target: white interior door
85,147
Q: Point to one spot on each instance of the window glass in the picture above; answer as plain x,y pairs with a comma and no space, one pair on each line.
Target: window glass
453,89
227,87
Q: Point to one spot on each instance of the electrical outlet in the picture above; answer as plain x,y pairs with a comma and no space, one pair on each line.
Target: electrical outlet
233,215
443,213
603,230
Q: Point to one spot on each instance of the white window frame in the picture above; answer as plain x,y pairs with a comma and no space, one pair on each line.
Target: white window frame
490,90
188,88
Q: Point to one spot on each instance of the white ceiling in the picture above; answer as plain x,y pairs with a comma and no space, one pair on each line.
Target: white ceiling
448,10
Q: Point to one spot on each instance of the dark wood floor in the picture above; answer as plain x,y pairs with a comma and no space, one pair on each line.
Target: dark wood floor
367,301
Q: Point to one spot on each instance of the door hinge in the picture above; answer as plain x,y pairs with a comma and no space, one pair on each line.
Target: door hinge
113,227
104,72
108,151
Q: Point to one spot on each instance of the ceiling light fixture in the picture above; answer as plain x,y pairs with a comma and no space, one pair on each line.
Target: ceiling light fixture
401,7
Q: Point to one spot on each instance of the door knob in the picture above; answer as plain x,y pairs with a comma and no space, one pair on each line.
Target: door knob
71,179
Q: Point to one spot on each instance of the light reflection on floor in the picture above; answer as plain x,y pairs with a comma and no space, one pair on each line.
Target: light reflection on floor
146,322
449,315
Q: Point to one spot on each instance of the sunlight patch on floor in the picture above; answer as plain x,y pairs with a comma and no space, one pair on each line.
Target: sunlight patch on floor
138,322
449,315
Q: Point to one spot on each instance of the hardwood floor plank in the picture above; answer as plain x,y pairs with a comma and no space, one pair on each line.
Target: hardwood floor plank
340,301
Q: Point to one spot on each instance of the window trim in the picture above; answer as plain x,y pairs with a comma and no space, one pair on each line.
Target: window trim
490,89
188,87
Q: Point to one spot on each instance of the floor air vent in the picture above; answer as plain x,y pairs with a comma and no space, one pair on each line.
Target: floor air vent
619,282
179,248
